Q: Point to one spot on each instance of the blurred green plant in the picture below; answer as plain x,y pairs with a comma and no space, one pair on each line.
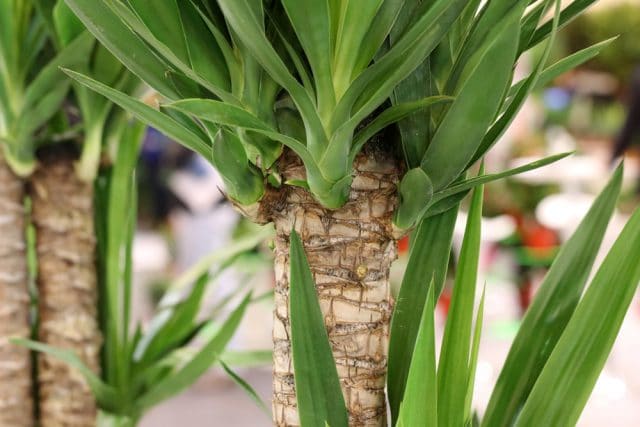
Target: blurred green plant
152,364
622,20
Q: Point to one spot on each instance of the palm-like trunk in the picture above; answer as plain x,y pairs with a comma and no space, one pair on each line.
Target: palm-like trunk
16,404
63,217
350,251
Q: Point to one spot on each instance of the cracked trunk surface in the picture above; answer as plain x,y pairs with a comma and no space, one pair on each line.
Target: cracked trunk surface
67,283
350,251
16,404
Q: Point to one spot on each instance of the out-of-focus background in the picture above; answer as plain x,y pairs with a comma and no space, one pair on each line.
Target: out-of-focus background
594,110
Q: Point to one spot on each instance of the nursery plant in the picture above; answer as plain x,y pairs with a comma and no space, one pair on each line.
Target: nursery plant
350,124
32,89
52,138
146,365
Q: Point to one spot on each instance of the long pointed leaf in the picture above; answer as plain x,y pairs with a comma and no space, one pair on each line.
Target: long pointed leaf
473,110
453,367
123,44
420,404
104,394
320,400
429,258
550,311
566,382
247,389
147,114
197,365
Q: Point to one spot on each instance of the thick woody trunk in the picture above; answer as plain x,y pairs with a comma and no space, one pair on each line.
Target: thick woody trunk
67,284
350,251
16,404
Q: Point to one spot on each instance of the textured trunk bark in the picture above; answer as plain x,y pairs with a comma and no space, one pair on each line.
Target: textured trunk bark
350,251
16,404
63,217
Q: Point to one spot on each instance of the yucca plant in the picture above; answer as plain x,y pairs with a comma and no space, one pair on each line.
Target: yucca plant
32,88
554,361
145,366
350,122
62,194
52,139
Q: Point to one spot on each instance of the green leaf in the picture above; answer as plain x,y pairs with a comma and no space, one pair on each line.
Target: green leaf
428,259
455,355
249,29
566,64
473,360
458,137
247,389
172,325
420,405
162,19
223,114
496,18
243,181
124,44
378,31
415,130
550,311
445,204
50,76
483,179
248,358
568,377
392,115
197,365
531,20
518,100
311,23
415,192
355,21
67,25
104,394
375,84
147,114
218,83
117,216
318,392
568,13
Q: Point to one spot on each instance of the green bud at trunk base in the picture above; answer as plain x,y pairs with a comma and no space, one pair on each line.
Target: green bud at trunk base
243,181
416,191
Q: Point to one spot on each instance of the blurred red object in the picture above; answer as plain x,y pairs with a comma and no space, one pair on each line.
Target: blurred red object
403,245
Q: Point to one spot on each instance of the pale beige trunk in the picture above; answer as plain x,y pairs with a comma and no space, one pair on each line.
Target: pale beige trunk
16,404
63,217
350,251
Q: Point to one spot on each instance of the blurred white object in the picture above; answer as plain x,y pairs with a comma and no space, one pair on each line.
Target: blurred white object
568,172
199,192
150,252
563,212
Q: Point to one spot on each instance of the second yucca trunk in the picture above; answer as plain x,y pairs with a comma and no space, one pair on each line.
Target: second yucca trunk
350,251
63,217
16,405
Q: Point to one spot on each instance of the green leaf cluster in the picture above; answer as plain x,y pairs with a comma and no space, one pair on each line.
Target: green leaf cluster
246,78
32,88
39,37
144,367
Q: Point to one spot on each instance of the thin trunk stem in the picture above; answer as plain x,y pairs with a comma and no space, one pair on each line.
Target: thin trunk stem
16,403
350,251
67,284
